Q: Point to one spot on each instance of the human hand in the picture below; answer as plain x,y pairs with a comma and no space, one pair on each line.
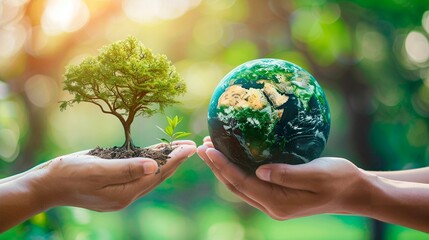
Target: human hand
98,184
324,185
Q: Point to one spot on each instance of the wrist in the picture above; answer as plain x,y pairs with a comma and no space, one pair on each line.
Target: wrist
39,190
363,191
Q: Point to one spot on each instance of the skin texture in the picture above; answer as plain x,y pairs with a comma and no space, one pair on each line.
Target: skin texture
327,185
84,181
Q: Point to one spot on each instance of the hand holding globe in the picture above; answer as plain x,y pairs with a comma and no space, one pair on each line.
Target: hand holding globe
268,111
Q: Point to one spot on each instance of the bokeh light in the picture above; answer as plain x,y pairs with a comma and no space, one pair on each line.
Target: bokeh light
12,39
373,45
64,16
425,21
417,47
226,230
41,90
147,10
37,41
10,130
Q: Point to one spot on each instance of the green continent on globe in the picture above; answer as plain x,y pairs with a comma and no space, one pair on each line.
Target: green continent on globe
269,111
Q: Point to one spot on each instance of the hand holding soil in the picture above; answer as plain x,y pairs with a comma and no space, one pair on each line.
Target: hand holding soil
106,185
85,181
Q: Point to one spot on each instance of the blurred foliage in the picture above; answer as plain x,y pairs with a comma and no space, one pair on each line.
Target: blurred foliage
371,58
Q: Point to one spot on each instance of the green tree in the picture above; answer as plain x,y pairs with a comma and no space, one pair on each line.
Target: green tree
125,80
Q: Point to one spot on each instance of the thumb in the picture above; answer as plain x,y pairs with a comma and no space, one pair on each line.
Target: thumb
127,170
291,176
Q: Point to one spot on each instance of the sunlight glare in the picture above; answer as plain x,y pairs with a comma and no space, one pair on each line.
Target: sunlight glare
144,11
64,16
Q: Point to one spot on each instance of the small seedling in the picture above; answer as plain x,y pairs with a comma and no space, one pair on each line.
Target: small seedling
170,128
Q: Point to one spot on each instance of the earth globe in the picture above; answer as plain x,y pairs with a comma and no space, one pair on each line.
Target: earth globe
268,111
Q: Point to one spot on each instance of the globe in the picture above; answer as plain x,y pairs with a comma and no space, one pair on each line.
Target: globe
268,111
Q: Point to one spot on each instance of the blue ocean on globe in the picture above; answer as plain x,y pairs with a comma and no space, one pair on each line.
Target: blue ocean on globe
269,111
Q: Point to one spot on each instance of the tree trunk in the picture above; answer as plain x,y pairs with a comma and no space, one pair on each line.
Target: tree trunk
128,145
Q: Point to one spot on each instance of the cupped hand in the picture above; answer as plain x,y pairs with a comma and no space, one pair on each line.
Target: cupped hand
324,185
99,184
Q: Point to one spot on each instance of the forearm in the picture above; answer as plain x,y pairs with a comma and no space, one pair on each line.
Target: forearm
18,202
419,175
402,203
11,178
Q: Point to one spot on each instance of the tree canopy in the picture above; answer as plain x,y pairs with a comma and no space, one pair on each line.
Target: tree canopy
126,80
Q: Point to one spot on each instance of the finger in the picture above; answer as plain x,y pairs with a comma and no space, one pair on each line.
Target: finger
175,143
208,144
142,186
125,170
202,153
292,176
184,142
179,154
182,152
177,157
207,139
248,185
145,186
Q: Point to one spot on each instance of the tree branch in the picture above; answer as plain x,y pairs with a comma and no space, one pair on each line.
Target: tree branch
114,113
120,95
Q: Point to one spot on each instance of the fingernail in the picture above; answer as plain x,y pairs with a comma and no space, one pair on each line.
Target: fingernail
264,173
150,167
208,155
192,152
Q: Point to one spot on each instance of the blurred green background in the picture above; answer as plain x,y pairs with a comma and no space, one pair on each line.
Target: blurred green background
371,58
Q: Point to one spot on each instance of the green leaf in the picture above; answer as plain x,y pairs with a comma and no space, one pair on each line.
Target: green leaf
173,123
63,106
182,134
164,140
169,130
177,133
161,129
170,121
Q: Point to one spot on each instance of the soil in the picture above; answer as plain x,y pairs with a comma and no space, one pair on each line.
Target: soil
158,153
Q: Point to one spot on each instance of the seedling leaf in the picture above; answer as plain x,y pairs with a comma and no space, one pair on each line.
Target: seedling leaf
169,130
184,134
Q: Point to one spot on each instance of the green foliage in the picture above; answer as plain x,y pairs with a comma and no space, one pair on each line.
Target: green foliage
169,130
126,79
